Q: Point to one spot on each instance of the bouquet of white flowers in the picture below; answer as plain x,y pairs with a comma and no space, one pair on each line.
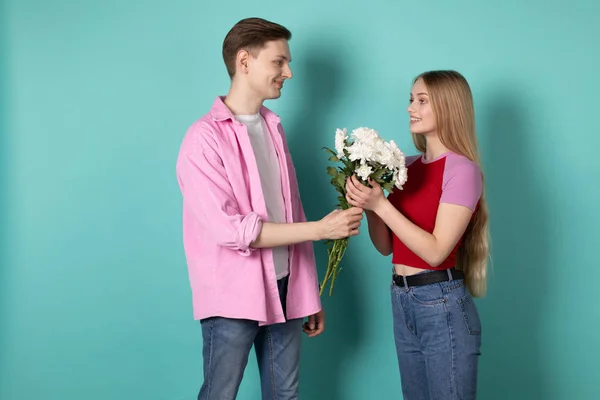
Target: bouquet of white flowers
367,155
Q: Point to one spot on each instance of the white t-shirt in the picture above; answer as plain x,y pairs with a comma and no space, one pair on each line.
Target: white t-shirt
270,178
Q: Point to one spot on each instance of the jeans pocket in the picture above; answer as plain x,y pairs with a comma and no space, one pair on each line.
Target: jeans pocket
428,295
470,314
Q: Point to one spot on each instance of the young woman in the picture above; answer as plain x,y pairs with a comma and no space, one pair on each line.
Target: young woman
436,229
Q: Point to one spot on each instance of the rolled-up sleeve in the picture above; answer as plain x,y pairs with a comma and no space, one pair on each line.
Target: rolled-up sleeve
208,194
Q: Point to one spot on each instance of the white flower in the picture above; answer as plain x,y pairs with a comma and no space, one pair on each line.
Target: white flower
360,151
366,145
400,177
366,135
368,154
364,171
340,141
373,154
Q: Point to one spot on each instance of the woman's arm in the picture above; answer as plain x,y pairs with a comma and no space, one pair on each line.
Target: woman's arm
433,248
379,233
450,224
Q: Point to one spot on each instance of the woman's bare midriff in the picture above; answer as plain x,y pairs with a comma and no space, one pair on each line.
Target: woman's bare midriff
405,270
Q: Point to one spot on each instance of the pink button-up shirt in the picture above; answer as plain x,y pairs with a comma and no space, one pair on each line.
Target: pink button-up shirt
223,212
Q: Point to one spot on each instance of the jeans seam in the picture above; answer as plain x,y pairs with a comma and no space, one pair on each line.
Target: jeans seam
210,356
271,363
405,307
453,353
462,303
408,320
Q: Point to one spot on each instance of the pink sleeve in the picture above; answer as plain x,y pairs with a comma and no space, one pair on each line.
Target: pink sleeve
462,184
208,194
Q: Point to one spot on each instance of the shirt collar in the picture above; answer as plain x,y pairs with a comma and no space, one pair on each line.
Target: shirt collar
220,112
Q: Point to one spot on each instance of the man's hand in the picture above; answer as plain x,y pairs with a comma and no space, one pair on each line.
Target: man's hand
340,224
315,324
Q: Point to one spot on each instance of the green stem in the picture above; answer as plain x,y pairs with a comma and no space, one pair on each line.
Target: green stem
336,253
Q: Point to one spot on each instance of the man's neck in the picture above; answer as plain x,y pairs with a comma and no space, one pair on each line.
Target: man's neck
242,102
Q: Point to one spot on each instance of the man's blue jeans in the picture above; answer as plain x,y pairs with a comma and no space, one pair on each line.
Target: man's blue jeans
226,347
438,337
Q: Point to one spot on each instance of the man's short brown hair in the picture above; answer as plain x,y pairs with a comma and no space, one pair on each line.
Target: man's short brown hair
250,34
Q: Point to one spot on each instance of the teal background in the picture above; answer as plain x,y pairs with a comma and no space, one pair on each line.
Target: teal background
96,96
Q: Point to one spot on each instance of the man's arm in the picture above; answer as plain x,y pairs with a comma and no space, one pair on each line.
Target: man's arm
206,190
338,224
205,187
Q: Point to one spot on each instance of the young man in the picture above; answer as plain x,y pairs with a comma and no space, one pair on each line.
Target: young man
247,242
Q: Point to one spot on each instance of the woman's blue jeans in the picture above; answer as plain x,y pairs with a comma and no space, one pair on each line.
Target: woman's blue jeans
438,338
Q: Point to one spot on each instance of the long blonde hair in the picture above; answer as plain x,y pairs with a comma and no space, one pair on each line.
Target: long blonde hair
452,104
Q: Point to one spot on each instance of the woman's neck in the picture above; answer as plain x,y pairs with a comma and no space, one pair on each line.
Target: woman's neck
434,148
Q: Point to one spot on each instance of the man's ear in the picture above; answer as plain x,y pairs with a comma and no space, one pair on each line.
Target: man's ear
242,61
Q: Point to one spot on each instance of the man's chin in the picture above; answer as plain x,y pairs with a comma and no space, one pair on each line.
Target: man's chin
274,96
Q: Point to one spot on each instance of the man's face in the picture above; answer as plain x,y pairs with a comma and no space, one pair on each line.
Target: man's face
267,69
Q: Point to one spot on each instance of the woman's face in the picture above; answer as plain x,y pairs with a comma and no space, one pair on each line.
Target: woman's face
422,119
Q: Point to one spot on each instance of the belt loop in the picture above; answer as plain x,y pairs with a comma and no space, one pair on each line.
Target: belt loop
405,283
449,274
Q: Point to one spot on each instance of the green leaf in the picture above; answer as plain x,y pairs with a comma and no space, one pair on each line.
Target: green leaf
341,180
389,186
334,158
333,153
332,171
380,181
378,174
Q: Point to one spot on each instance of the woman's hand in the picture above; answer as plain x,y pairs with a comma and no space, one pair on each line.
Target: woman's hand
367,198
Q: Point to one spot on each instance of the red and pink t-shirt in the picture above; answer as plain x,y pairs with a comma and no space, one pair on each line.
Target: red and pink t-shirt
449,178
